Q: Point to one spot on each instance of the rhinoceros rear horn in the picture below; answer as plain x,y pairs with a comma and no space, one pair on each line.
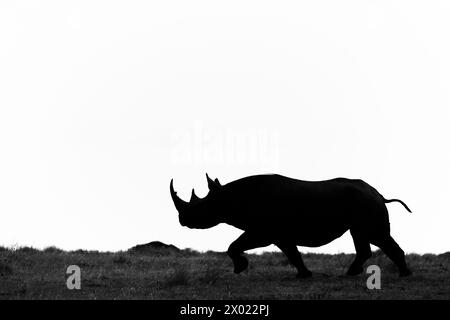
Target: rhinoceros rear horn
193,196
180,204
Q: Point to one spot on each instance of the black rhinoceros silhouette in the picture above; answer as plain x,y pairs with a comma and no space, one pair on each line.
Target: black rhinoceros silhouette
273,209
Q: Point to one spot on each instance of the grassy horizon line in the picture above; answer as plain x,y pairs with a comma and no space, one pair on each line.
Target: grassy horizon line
55,249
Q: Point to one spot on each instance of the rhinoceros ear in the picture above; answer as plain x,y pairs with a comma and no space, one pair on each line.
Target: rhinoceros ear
213,185
217,182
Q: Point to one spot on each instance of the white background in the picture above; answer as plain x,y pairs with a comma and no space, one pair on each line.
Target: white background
103,102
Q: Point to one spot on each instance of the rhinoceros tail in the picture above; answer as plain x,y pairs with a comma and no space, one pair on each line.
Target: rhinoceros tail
397,200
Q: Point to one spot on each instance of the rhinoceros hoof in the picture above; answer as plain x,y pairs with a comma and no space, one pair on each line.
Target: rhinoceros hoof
240,264
354,271
304,274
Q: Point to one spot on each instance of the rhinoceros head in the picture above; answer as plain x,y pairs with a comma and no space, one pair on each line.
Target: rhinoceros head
199,213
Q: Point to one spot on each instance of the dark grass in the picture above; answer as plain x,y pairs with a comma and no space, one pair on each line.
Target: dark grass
27,273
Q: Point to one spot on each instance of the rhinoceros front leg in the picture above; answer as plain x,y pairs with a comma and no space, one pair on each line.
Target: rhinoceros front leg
245,242
295,258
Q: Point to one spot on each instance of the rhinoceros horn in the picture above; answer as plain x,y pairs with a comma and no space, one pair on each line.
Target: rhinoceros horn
193,196
179,203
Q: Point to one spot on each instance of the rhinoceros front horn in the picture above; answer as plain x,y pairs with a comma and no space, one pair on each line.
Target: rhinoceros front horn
180,204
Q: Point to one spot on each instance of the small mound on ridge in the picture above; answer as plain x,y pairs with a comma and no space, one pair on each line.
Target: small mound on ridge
155,247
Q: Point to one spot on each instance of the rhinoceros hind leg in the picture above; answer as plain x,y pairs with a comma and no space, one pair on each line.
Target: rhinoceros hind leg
295,258
245,242
395,253
363,252
240,264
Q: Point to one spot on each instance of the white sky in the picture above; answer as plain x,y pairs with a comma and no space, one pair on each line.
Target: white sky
103,102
